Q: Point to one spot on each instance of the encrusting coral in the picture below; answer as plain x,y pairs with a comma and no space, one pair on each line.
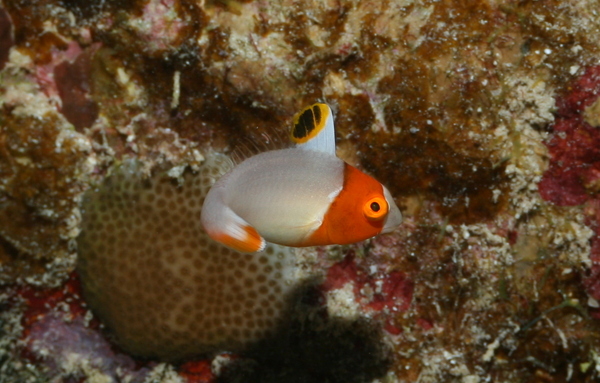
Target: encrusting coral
162,287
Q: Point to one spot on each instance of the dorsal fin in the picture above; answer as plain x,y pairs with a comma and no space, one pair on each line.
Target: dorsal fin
256,142
313,129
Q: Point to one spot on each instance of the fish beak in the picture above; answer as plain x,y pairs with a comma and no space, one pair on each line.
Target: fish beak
394,217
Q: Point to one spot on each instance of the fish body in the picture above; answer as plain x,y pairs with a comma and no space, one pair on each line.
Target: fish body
301,196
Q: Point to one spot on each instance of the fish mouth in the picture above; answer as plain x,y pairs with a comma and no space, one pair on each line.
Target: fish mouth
394,216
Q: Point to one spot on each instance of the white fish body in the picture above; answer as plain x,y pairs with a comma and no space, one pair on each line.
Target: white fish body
290,197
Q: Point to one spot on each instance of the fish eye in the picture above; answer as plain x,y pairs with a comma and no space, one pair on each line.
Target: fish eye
376,208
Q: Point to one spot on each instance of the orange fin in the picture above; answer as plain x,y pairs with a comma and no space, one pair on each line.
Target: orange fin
313,129
249,242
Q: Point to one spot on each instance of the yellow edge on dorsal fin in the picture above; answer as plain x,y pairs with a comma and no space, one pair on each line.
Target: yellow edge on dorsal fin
309,123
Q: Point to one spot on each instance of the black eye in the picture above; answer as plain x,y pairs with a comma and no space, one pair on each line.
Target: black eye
375,207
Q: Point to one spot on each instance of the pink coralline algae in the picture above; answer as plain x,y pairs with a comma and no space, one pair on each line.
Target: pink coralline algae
381,294
575,146
67,76
58,335
573,177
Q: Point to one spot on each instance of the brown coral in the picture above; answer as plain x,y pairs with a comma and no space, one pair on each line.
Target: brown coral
163,288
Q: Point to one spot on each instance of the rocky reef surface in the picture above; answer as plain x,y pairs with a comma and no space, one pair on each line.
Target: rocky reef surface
482,118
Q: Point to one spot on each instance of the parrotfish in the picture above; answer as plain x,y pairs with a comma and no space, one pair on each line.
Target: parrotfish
300,196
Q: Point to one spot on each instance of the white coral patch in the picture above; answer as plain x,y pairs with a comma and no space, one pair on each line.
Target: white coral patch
341,303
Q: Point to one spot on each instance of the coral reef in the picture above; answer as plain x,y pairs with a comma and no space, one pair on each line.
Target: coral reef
480,117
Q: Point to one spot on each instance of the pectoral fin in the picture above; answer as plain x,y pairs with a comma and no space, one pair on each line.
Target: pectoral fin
223,225
243,238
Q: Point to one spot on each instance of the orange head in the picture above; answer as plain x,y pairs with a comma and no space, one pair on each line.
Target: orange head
363,209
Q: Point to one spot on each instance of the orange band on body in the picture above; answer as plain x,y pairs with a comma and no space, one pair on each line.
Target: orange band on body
345,221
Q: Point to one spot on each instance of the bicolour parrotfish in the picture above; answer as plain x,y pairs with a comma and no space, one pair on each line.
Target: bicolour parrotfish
300,196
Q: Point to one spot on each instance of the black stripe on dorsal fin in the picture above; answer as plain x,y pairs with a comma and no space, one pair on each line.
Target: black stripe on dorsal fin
313,129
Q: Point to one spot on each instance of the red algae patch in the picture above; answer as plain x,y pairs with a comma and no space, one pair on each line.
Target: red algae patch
574,172
59,336
61,340
197,372
353,289
575,146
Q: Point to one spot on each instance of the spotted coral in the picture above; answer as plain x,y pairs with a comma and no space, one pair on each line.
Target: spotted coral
163,288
